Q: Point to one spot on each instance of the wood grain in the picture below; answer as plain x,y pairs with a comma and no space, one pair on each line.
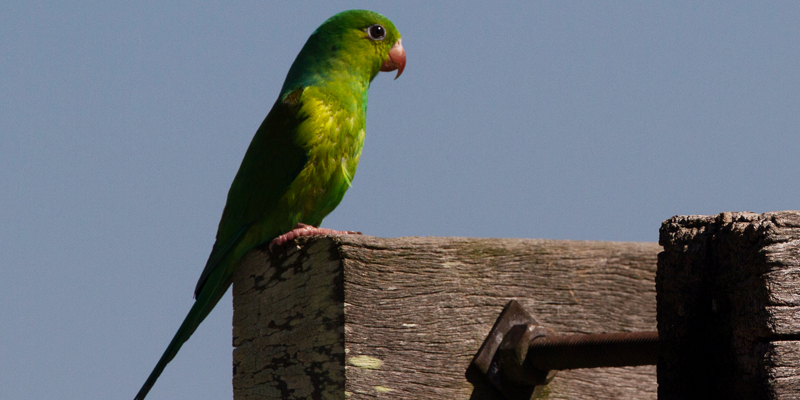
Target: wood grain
360,317
728,306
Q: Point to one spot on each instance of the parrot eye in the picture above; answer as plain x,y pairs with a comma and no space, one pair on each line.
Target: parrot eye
376,32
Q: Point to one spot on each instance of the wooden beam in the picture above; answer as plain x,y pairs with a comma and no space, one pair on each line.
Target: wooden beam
354,317
728,297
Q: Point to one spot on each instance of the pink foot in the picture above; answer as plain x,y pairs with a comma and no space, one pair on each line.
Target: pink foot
302,229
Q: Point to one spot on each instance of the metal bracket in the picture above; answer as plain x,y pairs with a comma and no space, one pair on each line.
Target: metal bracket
507,372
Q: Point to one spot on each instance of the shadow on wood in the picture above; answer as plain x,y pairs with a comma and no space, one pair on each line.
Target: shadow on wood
728,297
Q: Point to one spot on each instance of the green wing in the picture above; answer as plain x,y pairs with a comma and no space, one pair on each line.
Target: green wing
271,164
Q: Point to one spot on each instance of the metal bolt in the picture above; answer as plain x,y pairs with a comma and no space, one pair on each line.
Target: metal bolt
520,356
593,350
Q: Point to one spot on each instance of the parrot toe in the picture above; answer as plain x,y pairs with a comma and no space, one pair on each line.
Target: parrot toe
302,229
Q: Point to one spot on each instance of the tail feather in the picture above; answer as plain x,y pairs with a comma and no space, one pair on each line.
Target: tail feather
201,308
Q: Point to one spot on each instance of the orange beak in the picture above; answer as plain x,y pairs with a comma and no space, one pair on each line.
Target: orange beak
396,59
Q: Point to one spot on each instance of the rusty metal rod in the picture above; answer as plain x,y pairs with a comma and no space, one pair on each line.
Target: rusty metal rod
561,352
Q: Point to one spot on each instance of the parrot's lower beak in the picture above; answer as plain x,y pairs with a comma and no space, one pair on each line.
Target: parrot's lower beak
396,59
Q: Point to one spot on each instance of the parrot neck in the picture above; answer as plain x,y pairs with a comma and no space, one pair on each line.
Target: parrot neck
329,67
332,81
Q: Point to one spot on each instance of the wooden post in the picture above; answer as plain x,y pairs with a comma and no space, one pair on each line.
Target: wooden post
728,295
357,317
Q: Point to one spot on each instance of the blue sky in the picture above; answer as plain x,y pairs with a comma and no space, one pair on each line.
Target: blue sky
122,126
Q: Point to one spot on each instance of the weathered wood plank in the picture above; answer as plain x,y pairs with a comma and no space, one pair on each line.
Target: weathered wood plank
729,306
364,317
784,373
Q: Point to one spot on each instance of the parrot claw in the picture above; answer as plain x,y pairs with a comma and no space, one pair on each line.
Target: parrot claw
302,229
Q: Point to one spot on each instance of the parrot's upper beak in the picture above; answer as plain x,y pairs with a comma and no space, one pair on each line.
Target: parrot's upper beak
396,59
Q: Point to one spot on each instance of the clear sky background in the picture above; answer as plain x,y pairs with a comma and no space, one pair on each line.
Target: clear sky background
122,126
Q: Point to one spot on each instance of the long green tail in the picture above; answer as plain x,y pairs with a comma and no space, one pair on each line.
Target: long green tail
202,307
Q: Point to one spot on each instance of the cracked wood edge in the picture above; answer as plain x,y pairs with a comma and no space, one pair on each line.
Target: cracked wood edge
728,297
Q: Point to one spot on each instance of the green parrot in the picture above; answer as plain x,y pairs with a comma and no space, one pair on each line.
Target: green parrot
303,156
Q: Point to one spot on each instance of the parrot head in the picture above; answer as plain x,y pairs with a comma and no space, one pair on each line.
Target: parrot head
356,43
